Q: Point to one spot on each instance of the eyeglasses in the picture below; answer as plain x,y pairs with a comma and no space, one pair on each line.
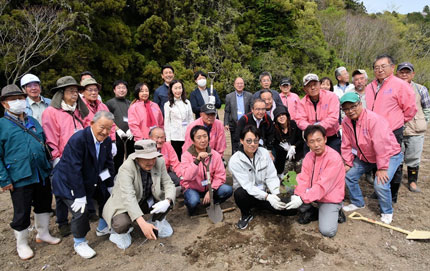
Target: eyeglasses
351,108
250,141
92,89
382,67
260,109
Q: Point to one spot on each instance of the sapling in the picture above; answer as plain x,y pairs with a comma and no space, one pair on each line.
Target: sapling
288,185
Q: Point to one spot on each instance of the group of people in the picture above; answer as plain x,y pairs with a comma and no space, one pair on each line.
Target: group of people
115,162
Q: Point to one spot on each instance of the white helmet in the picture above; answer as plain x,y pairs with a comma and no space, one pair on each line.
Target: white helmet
29,78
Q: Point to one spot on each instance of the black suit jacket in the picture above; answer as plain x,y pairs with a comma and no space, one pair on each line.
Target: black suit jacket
196,100
266,129
230,111
77,173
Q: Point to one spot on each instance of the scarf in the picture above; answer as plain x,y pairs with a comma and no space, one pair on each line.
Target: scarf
150,120
67,107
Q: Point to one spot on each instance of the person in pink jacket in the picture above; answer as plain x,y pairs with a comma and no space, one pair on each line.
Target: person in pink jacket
90,97
322,180
143,114
319,107
290,99
215,127
368,143
394,99
195,161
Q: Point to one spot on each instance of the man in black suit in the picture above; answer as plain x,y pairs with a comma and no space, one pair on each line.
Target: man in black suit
86,172
237,104
202,95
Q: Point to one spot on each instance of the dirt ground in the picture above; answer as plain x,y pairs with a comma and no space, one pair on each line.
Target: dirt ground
271,242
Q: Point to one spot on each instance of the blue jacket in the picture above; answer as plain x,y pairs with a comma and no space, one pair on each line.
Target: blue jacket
197,101
21,155
77,173
161,96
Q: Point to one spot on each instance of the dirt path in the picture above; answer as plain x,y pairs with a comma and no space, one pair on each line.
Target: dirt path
270,243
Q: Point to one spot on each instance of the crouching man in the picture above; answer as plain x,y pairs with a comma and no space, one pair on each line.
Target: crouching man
142,186
85,172
322,181
368,143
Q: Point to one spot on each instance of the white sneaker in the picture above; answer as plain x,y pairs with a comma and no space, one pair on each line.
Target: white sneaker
84,250
103,231
351,207
387,218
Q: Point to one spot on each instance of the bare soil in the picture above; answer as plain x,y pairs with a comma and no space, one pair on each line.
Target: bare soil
271,242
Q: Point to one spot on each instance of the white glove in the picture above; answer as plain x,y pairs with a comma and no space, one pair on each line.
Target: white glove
129,134
79,204
295,202
160,207
285,145
276,202
55,162
291,153
114,149
121,133
109,189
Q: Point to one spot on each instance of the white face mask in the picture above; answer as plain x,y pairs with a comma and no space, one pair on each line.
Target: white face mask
17,106
201,82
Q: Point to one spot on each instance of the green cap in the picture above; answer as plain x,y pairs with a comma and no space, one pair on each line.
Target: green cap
350,97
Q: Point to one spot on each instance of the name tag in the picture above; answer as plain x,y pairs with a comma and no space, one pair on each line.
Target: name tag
104,174
239,112
354,151
184,123
205,182
211,100
261,142
125,119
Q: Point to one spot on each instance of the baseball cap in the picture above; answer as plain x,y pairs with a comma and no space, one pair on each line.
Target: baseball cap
285,81
208,109
350,97
29,78
405,65
146,149
309,77
359,71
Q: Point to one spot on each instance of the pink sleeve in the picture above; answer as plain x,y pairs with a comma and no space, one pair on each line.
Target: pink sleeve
303,178
333,112
221,145
189,170
188,142
407,102
174,161
346,148
52,131
301,116
381,142
218,171
133,122
113,129
159,116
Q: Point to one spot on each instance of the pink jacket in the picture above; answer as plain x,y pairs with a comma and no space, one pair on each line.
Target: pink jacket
59,126
194,174
327,113
395,101
171,158
137,119
217,136
322,178
100,106
377,143
291,102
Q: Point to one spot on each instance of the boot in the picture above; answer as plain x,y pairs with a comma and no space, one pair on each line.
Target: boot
396,182
41,222
413,178
24,251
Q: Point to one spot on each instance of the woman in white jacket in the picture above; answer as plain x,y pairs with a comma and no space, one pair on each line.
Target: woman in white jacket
177,115
255,181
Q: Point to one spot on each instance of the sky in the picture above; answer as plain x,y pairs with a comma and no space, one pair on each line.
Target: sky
400,6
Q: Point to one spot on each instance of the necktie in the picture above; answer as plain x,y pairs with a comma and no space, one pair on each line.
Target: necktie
97,149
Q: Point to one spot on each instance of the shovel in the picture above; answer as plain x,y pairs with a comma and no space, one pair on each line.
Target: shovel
411,234
214,210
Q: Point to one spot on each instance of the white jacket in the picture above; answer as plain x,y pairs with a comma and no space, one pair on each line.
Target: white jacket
254,177
176,119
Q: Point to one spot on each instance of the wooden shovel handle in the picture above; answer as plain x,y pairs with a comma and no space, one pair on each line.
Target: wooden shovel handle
358,216
224,211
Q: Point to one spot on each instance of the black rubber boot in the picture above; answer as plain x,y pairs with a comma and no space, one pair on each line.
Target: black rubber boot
394,191
413,178
308,216
395,183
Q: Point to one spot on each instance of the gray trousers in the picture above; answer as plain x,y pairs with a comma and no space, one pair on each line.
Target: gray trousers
412,147
328,214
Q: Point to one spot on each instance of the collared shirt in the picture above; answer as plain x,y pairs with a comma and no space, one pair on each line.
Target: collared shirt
146,184
240,105
96,144
205,95
257,121
270,112
425,98
37,108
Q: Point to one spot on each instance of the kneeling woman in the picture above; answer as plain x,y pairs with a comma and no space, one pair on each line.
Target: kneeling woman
255,182
195,162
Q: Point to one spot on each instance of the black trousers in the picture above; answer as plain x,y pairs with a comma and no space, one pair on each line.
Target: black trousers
398,175
234,144
119,157
177,146
39,195
246,202
80,224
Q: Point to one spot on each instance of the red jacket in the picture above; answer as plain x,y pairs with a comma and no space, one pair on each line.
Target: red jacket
217,136
395,101
171,158
322,178
99,107
376,142
137,119
292,102
326,115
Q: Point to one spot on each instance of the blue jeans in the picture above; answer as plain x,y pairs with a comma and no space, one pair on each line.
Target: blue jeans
192,197
382,190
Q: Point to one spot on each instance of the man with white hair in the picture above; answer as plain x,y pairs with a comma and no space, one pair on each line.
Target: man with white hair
36,103
342,86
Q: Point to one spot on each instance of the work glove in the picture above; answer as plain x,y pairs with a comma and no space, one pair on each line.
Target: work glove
129,134
55,162
114,149
121,134
276,202
285,145
295,202
79,204
109,189
291,153
160,207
